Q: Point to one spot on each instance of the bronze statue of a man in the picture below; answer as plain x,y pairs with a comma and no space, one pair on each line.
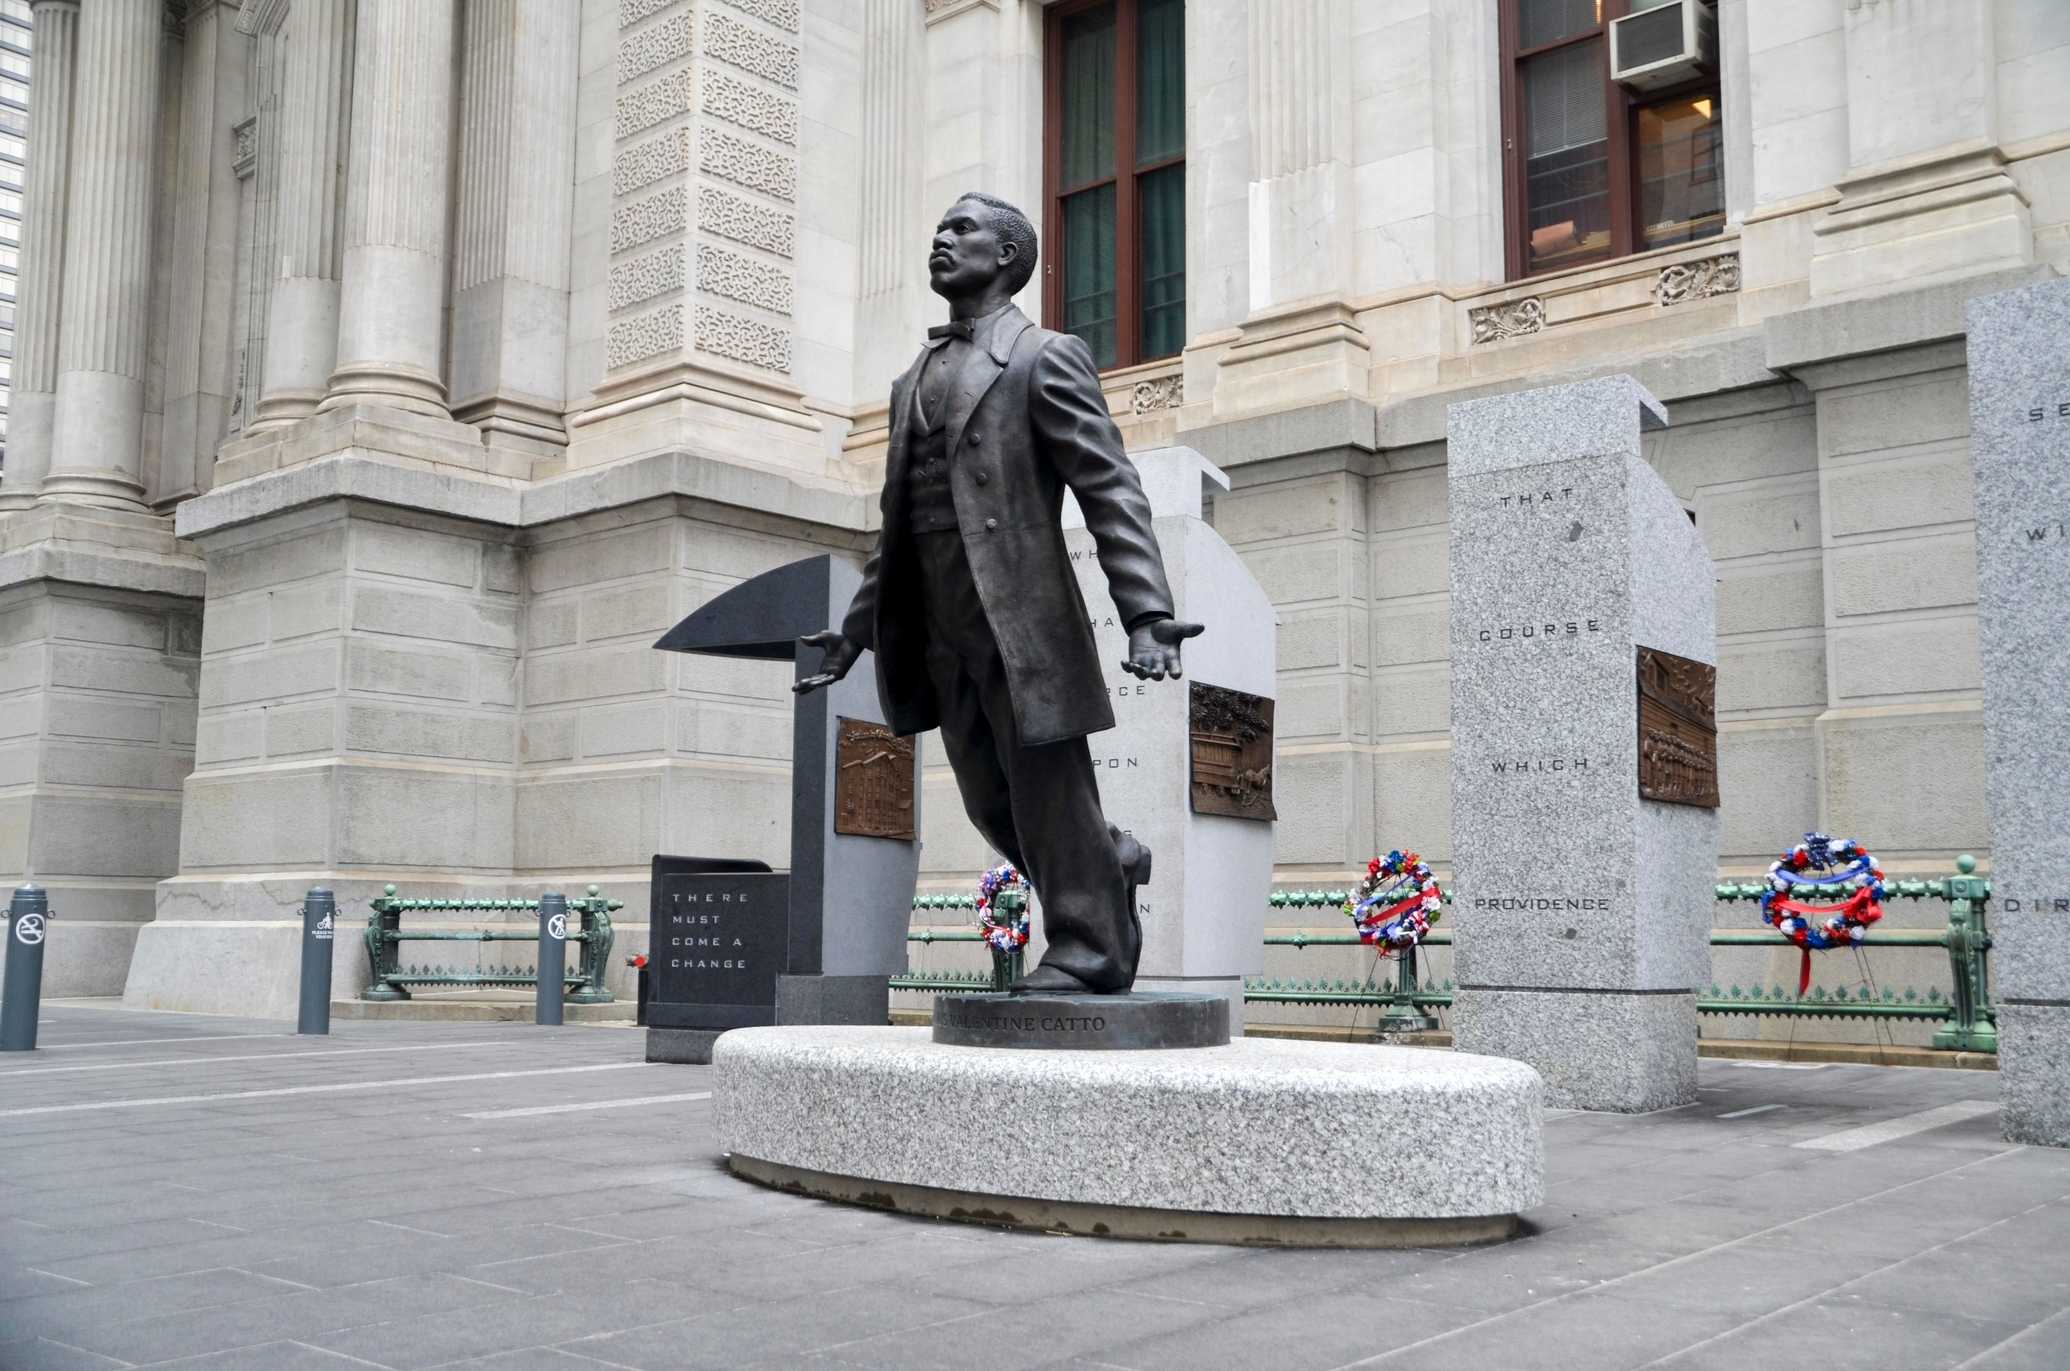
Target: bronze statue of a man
970,602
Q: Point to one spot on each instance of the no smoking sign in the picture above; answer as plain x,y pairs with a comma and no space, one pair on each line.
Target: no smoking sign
29,930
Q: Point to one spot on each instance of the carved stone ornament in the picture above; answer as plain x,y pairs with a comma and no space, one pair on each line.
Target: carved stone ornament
244,157
1232,753
1163,392
1678,730
1697,280
873,781
1511,319
938,10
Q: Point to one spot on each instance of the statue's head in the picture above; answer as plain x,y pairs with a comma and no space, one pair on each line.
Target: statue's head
981,240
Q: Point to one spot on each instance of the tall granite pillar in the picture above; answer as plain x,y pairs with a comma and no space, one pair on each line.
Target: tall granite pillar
1584,778
302,308
97,452
517,181
398,192
34,403
2019,421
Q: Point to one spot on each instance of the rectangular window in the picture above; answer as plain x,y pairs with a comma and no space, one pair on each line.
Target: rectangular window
1115,172
1594,170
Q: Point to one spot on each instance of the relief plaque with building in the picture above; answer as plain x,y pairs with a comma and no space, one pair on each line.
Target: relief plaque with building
1232,753
873,781
1678,730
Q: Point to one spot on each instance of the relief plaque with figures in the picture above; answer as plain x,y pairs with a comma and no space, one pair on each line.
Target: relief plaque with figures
1678,730
1232,753
873,781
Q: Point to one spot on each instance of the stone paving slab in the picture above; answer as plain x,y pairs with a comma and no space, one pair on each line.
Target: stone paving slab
200,1192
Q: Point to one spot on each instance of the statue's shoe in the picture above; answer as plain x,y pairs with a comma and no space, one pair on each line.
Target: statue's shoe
1049,980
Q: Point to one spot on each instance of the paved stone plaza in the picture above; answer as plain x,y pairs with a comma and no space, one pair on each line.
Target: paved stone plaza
502,1196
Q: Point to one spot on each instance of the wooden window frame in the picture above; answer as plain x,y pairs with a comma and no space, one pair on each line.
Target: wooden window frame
1621,111
1128,247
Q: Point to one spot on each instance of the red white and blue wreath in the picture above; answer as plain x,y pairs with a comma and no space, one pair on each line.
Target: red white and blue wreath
1818,860
1005,932
1394,907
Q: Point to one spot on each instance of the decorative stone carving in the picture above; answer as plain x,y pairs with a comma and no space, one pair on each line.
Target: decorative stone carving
743,279
759,111
744,340
938,10
631,12
737,160
741,46
244,159
1511,319
667,41
650,104
729,216
1697,280
644,335
642,164
643,278
643,221
782,14
1162,392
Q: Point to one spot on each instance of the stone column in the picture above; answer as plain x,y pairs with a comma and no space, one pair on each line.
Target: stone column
2019,422
302,310
1927,190
517,170
398,192
1584,775
97,453
42,254
1301,342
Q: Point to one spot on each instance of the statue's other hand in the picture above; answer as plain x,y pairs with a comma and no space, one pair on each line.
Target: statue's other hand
841,652
1153,648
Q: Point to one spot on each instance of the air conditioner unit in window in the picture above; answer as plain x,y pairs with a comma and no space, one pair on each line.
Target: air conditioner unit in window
1664,45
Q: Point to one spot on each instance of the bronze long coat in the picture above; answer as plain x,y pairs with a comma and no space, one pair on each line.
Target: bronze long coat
1026,419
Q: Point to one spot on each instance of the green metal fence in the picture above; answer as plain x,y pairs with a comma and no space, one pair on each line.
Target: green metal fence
391,979
1967,1021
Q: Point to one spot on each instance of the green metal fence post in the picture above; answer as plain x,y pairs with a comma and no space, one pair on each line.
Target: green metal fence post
597,939
1972,1027
381,948
1006,966
1403,1015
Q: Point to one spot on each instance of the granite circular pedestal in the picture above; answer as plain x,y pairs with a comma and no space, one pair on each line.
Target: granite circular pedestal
1132,1021
1259,1140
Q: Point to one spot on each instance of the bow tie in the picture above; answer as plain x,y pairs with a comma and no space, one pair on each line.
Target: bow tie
965,329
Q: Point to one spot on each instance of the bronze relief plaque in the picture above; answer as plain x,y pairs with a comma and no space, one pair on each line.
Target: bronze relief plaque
873,781
1232,753
1678,730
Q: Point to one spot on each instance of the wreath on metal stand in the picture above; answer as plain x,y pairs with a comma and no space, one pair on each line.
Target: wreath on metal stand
1394,907
1819,861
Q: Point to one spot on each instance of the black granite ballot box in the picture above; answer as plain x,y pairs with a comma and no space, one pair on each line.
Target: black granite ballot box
822,939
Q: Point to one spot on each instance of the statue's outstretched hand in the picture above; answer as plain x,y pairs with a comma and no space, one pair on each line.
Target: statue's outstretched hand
1153,648
841,652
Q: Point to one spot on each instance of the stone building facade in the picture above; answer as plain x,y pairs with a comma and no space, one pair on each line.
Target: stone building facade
390,373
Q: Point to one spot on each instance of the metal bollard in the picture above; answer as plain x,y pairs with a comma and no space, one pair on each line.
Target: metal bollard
553,957
319,928
639,965
28,924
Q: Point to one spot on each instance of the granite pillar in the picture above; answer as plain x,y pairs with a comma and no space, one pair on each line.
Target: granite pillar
2019,398
1203,910
97,452
517,170
302,304
1583,908
34,403
397,200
